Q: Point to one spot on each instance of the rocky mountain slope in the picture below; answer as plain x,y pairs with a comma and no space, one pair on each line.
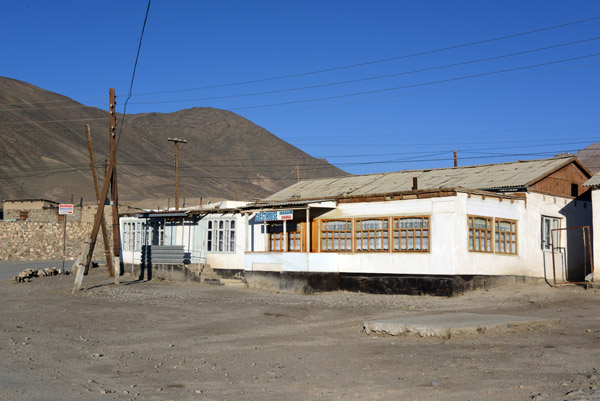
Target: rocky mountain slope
44,151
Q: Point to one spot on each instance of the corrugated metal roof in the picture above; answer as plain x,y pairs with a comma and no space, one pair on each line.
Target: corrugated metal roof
518,174
593,182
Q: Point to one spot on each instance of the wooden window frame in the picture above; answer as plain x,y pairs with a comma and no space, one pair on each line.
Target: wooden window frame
385,234
284,237
323,236
489,234
498,234
399,231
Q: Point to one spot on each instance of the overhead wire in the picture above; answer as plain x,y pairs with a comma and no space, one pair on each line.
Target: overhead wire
137,56
417,84
323,85
421,53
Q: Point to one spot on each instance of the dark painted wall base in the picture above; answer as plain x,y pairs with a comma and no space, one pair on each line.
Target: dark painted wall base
445,286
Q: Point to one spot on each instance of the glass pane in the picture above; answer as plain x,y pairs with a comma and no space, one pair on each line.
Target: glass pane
479,222
411,245
504,226
425,243
403,243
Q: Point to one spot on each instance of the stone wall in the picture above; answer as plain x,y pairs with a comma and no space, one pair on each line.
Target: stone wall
28,240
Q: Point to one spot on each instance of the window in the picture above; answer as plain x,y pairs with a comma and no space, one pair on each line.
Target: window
505,236
411,234
548,224
480,234
372,235
221,236
133,235
336,236
158,232
23,215
294,232
278,236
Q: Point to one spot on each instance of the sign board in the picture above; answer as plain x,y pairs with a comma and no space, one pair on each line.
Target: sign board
274,216
65,209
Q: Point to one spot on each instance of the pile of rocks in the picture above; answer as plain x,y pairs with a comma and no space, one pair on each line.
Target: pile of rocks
27,274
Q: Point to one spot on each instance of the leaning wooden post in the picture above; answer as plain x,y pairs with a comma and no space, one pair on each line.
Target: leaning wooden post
88,249
109,261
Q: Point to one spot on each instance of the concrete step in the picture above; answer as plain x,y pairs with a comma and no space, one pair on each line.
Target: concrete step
232,282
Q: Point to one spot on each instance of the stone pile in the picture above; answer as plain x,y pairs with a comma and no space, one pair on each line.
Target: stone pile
27,274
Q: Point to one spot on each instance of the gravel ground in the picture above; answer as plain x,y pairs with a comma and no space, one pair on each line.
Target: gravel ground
177,341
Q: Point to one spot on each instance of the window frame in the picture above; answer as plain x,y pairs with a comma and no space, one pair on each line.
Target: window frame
221,235
399,230
385,234
323,235
474,236
498,233
546,243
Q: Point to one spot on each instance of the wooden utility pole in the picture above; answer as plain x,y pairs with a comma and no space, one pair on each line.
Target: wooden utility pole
82,264
114,195
177,141
297,173
455,159
109,260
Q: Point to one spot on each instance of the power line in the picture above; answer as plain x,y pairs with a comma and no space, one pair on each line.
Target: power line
422,53
51,121
417,85
374,77
137,56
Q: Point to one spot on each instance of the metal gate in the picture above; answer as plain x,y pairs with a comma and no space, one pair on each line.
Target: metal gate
576,255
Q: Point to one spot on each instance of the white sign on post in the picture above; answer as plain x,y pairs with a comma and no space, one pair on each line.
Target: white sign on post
65,209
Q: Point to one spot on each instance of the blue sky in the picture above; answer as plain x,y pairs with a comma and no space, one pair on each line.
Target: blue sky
405,120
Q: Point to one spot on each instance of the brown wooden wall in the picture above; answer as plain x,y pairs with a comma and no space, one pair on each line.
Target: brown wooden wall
559,182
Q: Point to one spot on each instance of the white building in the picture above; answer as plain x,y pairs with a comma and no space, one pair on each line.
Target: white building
435,231
212,235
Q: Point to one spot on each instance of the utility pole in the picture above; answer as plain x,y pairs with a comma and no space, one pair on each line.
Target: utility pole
109,260
297,173
114,195
82,264
177,141
455,159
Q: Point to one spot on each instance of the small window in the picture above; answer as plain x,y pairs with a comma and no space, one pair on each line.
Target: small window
574,190
505,236
549,238
480,234
23,215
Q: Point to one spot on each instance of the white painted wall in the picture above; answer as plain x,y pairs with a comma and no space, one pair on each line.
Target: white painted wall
449,253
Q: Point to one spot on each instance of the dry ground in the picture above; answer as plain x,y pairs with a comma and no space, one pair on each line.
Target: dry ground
164,341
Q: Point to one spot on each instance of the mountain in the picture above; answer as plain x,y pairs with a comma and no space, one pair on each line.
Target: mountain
44,151
590,157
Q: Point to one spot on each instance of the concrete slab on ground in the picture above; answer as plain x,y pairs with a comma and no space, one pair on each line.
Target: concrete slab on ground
446,325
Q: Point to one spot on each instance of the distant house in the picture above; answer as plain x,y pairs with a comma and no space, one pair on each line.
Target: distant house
39,210
437,231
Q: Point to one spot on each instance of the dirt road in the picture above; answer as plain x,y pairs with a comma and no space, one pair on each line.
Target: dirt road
162,341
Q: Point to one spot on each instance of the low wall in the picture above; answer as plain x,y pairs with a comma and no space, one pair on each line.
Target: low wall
28,240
